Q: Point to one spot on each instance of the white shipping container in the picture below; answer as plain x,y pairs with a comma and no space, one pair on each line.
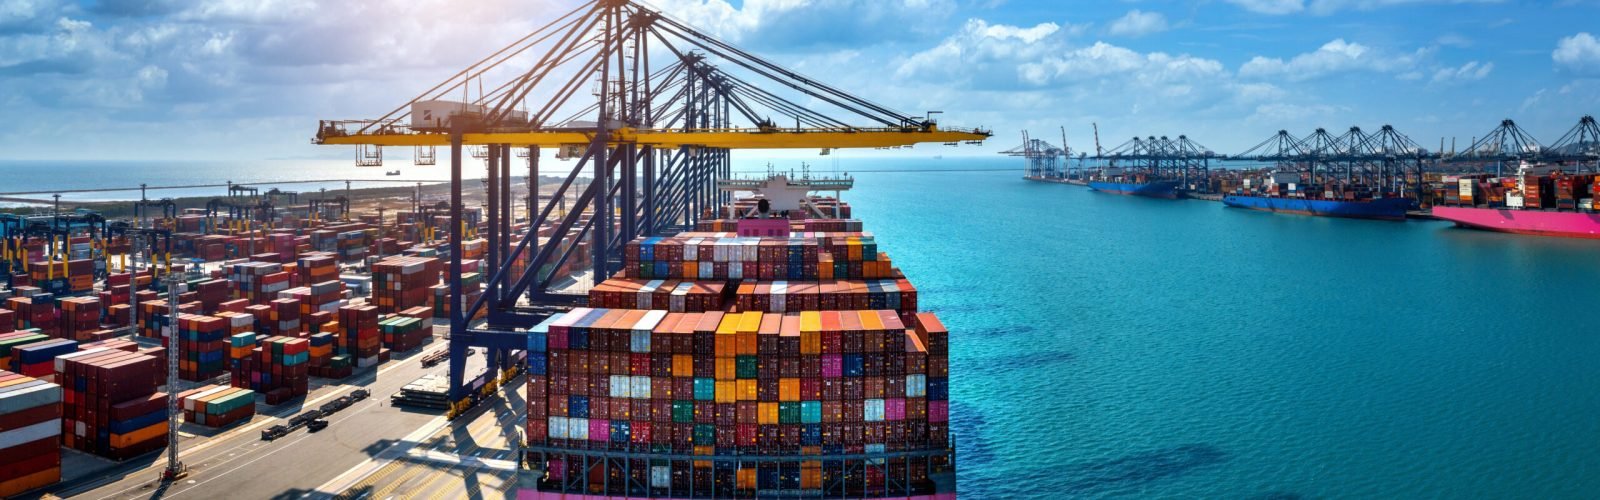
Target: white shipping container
29,397
621,386
660,476
558,427
578,428
1465,187
874,410
641,387
1514,200
29,434
436,114
916,385
1586,203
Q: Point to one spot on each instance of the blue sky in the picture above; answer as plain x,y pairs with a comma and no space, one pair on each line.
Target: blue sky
217,79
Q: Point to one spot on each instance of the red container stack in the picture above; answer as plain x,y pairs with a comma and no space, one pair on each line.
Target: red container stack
212,293
666,295
318,267
42,315
400,283
277,367
358,334
80,316
30,433
112,408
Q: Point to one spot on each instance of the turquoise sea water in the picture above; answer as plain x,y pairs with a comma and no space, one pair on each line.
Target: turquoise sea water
1107,346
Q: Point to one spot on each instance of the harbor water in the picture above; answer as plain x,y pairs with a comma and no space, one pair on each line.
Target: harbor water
1115,346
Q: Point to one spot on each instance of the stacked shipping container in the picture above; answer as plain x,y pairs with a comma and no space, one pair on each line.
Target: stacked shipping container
816,349
30,433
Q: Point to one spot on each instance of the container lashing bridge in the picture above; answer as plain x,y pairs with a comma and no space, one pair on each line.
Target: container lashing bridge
654,139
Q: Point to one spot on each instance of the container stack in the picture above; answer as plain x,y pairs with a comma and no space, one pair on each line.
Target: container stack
111,405
324,296
30,433
38,312
402,334
80,317
317,268
324,361
813,347
202,346
400,283
217,405
258,282
277,368
9,342
37,359
820,256
211,294
239,348
359,336
352,245
667,295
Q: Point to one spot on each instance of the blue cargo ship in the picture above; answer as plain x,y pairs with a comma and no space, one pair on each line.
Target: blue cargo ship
1381,208
1153,189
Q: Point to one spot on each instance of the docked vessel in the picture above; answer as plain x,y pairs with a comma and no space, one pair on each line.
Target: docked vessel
1289,192
772,353
1379,208
1556,204
1151,189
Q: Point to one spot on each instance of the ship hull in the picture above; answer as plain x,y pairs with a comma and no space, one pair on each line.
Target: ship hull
1393,209
1530,222
1158,189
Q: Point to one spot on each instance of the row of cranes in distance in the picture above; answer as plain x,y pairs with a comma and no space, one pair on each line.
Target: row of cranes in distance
1578,149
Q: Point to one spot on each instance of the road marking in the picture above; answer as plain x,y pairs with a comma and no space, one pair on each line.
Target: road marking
371,464
216,440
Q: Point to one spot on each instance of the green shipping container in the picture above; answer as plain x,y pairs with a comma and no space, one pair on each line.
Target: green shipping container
683,412
789,412
746,366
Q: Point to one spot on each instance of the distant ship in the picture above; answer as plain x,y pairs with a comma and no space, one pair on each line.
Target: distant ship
1378,208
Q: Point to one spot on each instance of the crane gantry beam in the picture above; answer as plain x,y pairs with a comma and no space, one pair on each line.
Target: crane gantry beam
670,103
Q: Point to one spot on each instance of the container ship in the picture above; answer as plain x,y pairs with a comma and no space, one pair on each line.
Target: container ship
1284,192
774,351
1554,204
1115,181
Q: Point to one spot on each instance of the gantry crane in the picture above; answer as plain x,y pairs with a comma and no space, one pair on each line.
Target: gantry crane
669,104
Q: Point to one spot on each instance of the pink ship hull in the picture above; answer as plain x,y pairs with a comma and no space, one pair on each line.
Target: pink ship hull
1566,224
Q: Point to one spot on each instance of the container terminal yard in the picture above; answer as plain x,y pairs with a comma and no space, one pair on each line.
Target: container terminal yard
649,325
1506,181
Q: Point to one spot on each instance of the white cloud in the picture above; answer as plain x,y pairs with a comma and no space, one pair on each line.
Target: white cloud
1139,23
1337,56
1469,72
792,25
1325,7
976,44
1271,7
1579,53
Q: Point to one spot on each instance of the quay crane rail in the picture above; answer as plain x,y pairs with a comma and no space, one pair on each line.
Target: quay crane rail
670,103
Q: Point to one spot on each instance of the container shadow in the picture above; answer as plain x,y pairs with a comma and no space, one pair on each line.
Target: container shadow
1141,468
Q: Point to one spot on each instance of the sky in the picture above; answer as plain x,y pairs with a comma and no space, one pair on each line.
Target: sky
248,79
